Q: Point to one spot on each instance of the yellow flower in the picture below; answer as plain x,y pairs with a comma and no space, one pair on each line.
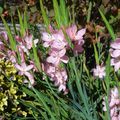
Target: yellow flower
24,113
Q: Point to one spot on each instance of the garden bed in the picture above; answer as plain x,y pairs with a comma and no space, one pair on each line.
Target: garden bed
60,60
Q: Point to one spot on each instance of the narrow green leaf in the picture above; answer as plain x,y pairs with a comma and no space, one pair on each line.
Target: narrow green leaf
36,59
64,13
25,19
57,13
43,102
45,17
22,29
109,27
96,54
107,76
29,92
108,108
89,12
55,106
12,41
14,26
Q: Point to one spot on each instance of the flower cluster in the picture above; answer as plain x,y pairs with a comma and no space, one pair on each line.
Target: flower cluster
58,45
23,47
115,54
114,104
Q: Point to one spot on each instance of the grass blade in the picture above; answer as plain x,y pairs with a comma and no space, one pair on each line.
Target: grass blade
64,13
96,54
109,27
22,30
45,18
89,12
25,19
57,13
36,59
44,104
12,41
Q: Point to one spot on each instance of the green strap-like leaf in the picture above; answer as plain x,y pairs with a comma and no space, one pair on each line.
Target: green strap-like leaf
109,27
11,39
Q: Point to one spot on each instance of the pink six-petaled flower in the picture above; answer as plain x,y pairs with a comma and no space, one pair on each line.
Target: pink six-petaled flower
24,70
56,56
74,35
99,71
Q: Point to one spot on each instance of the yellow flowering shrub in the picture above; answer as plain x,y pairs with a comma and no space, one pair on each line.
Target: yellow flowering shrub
10,94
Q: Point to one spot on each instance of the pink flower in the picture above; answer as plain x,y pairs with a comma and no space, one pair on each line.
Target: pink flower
1,43
21,53
28,41
4,35
57,56
58,75
76,37
73,34
61,75
24,70
24,49
99,71
114,104
116,44
22,44
115,54
2,47
115,100
3,39
12,56
48,39
60,79
19,39
54,40
59,42
49,69
62,87
78,47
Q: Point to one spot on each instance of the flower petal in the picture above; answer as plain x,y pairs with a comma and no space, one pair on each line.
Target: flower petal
18,67
80,34
64,59
116,44
47,37
62,52
52,59
115,53
29,67
71,31
30,77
